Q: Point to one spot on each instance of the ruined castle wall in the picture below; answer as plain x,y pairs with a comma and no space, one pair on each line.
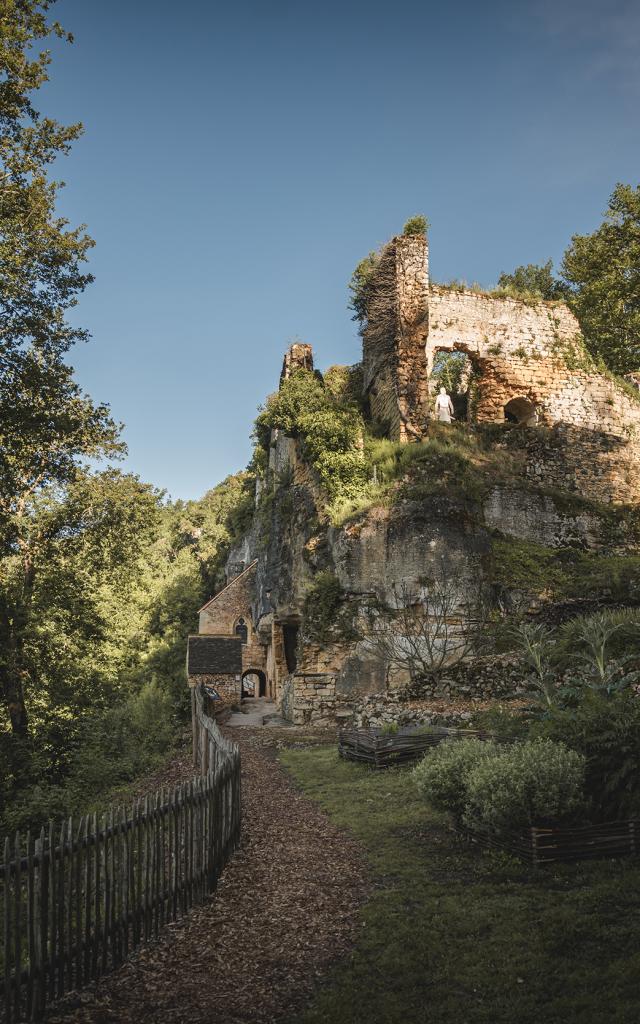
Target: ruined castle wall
535,352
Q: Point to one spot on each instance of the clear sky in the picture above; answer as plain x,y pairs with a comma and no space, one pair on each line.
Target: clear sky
238,161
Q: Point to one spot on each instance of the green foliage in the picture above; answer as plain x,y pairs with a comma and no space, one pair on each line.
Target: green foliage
390,729
330,430
603,269
452,462
360,286
116,579
525,565
327,617
614,631
345,383
443,774
500,723
110,748
593,636
40,256
47,425
535,643
606,731
533,280
532,783
500,940
448,372
417,225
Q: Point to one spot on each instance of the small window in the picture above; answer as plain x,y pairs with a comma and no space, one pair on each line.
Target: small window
242,631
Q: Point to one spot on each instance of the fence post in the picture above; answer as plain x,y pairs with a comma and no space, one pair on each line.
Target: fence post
534,846
83,897
7,931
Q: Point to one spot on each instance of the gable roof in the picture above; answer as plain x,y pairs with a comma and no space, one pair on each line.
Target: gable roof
231,583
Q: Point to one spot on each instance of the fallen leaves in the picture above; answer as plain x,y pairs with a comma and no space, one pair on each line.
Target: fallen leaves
285,910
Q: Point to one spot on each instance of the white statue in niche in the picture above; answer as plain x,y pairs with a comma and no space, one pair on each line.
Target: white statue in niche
444,407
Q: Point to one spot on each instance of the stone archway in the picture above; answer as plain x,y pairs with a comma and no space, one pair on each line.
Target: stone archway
254,683
522,411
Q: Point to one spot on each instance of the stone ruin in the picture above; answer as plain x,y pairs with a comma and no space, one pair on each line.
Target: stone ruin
528,365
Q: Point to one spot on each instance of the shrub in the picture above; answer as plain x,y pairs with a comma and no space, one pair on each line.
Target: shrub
536,782
442,775
327,616
416,225
360,286
330,430
606,731
501,723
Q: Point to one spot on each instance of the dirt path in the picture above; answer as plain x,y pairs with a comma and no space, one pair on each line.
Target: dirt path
284,910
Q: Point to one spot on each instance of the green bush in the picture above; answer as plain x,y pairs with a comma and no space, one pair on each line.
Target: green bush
442,775
416,225
501,723
330,429
606,731
327,616
535,782
114,747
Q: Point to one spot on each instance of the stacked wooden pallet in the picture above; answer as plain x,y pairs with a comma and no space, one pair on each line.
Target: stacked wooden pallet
538,845
385,749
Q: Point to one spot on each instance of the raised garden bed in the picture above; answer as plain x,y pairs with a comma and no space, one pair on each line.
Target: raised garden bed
383,749
548,845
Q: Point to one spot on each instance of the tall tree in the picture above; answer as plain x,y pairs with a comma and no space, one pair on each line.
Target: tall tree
534,279
603,269
46,424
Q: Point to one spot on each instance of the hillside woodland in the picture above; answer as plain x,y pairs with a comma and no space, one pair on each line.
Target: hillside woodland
101,575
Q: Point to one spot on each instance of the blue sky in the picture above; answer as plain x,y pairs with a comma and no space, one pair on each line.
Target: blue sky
238,162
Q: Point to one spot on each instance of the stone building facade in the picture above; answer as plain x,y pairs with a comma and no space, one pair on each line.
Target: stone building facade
228,616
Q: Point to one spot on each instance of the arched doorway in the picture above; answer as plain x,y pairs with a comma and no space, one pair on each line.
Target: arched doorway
521,411
254,683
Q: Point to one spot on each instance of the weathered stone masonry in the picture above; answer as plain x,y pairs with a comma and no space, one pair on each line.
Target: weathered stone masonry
526,356
579,431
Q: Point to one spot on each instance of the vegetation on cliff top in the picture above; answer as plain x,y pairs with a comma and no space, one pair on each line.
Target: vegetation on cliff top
329,424
600,280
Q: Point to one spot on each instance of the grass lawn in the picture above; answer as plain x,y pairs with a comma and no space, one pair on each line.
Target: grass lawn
452,935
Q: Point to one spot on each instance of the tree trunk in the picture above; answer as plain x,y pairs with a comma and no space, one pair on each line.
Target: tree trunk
13,696
11,669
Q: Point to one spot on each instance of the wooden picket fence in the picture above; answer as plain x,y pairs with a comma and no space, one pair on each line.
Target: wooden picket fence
76,899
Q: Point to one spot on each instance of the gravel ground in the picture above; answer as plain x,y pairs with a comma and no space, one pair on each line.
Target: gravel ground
284,911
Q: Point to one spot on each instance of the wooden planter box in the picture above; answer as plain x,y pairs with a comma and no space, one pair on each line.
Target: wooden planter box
548,845
382,750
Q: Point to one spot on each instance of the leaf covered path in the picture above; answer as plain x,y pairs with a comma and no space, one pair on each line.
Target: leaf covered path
284,910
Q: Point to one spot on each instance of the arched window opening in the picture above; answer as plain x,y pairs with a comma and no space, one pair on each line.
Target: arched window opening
453,372
521,411
242,631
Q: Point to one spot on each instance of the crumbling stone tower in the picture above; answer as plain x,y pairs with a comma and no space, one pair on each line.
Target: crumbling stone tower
393,343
